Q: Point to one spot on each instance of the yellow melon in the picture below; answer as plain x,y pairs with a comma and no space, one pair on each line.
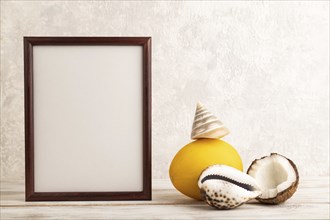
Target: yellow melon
196,156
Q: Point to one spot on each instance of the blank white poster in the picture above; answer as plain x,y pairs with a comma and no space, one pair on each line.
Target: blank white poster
88,118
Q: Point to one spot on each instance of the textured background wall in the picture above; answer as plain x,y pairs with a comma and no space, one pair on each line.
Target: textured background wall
262,67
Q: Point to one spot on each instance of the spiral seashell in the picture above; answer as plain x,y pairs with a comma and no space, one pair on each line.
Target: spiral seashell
207,125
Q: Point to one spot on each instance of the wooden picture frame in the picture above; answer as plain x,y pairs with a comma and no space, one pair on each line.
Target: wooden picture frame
87,118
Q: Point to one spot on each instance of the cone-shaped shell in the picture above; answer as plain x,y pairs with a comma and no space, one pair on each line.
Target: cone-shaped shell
207,125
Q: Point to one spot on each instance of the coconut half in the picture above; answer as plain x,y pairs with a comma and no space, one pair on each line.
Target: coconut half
277,177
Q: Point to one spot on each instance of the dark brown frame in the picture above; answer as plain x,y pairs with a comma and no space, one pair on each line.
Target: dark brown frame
30,194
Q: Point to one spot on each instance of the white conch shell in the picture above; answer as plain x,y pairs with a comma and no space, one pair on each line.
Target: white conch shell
207,125
225,187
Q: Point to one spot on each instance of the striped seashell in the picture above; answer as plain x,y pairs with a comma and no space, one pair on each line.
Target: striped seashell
207,125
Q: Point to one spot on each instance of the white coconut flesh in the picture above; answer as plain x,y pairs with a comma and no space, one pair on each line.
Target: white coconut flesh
274,174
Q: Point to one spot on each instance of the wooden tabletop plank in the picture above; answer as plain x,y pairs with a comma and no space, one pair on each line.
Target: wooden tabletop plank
311,201
248,211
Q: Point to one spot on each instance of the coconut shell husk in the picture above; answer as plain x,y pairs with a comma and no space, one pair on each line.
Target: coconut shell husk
284,195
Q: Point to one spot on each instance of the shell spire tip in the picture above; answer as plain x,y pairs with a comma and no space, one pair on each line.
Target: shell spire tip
199,105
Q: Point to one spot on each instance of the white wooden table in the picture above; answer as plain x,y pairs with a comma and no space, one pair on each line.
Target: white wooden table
311,201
